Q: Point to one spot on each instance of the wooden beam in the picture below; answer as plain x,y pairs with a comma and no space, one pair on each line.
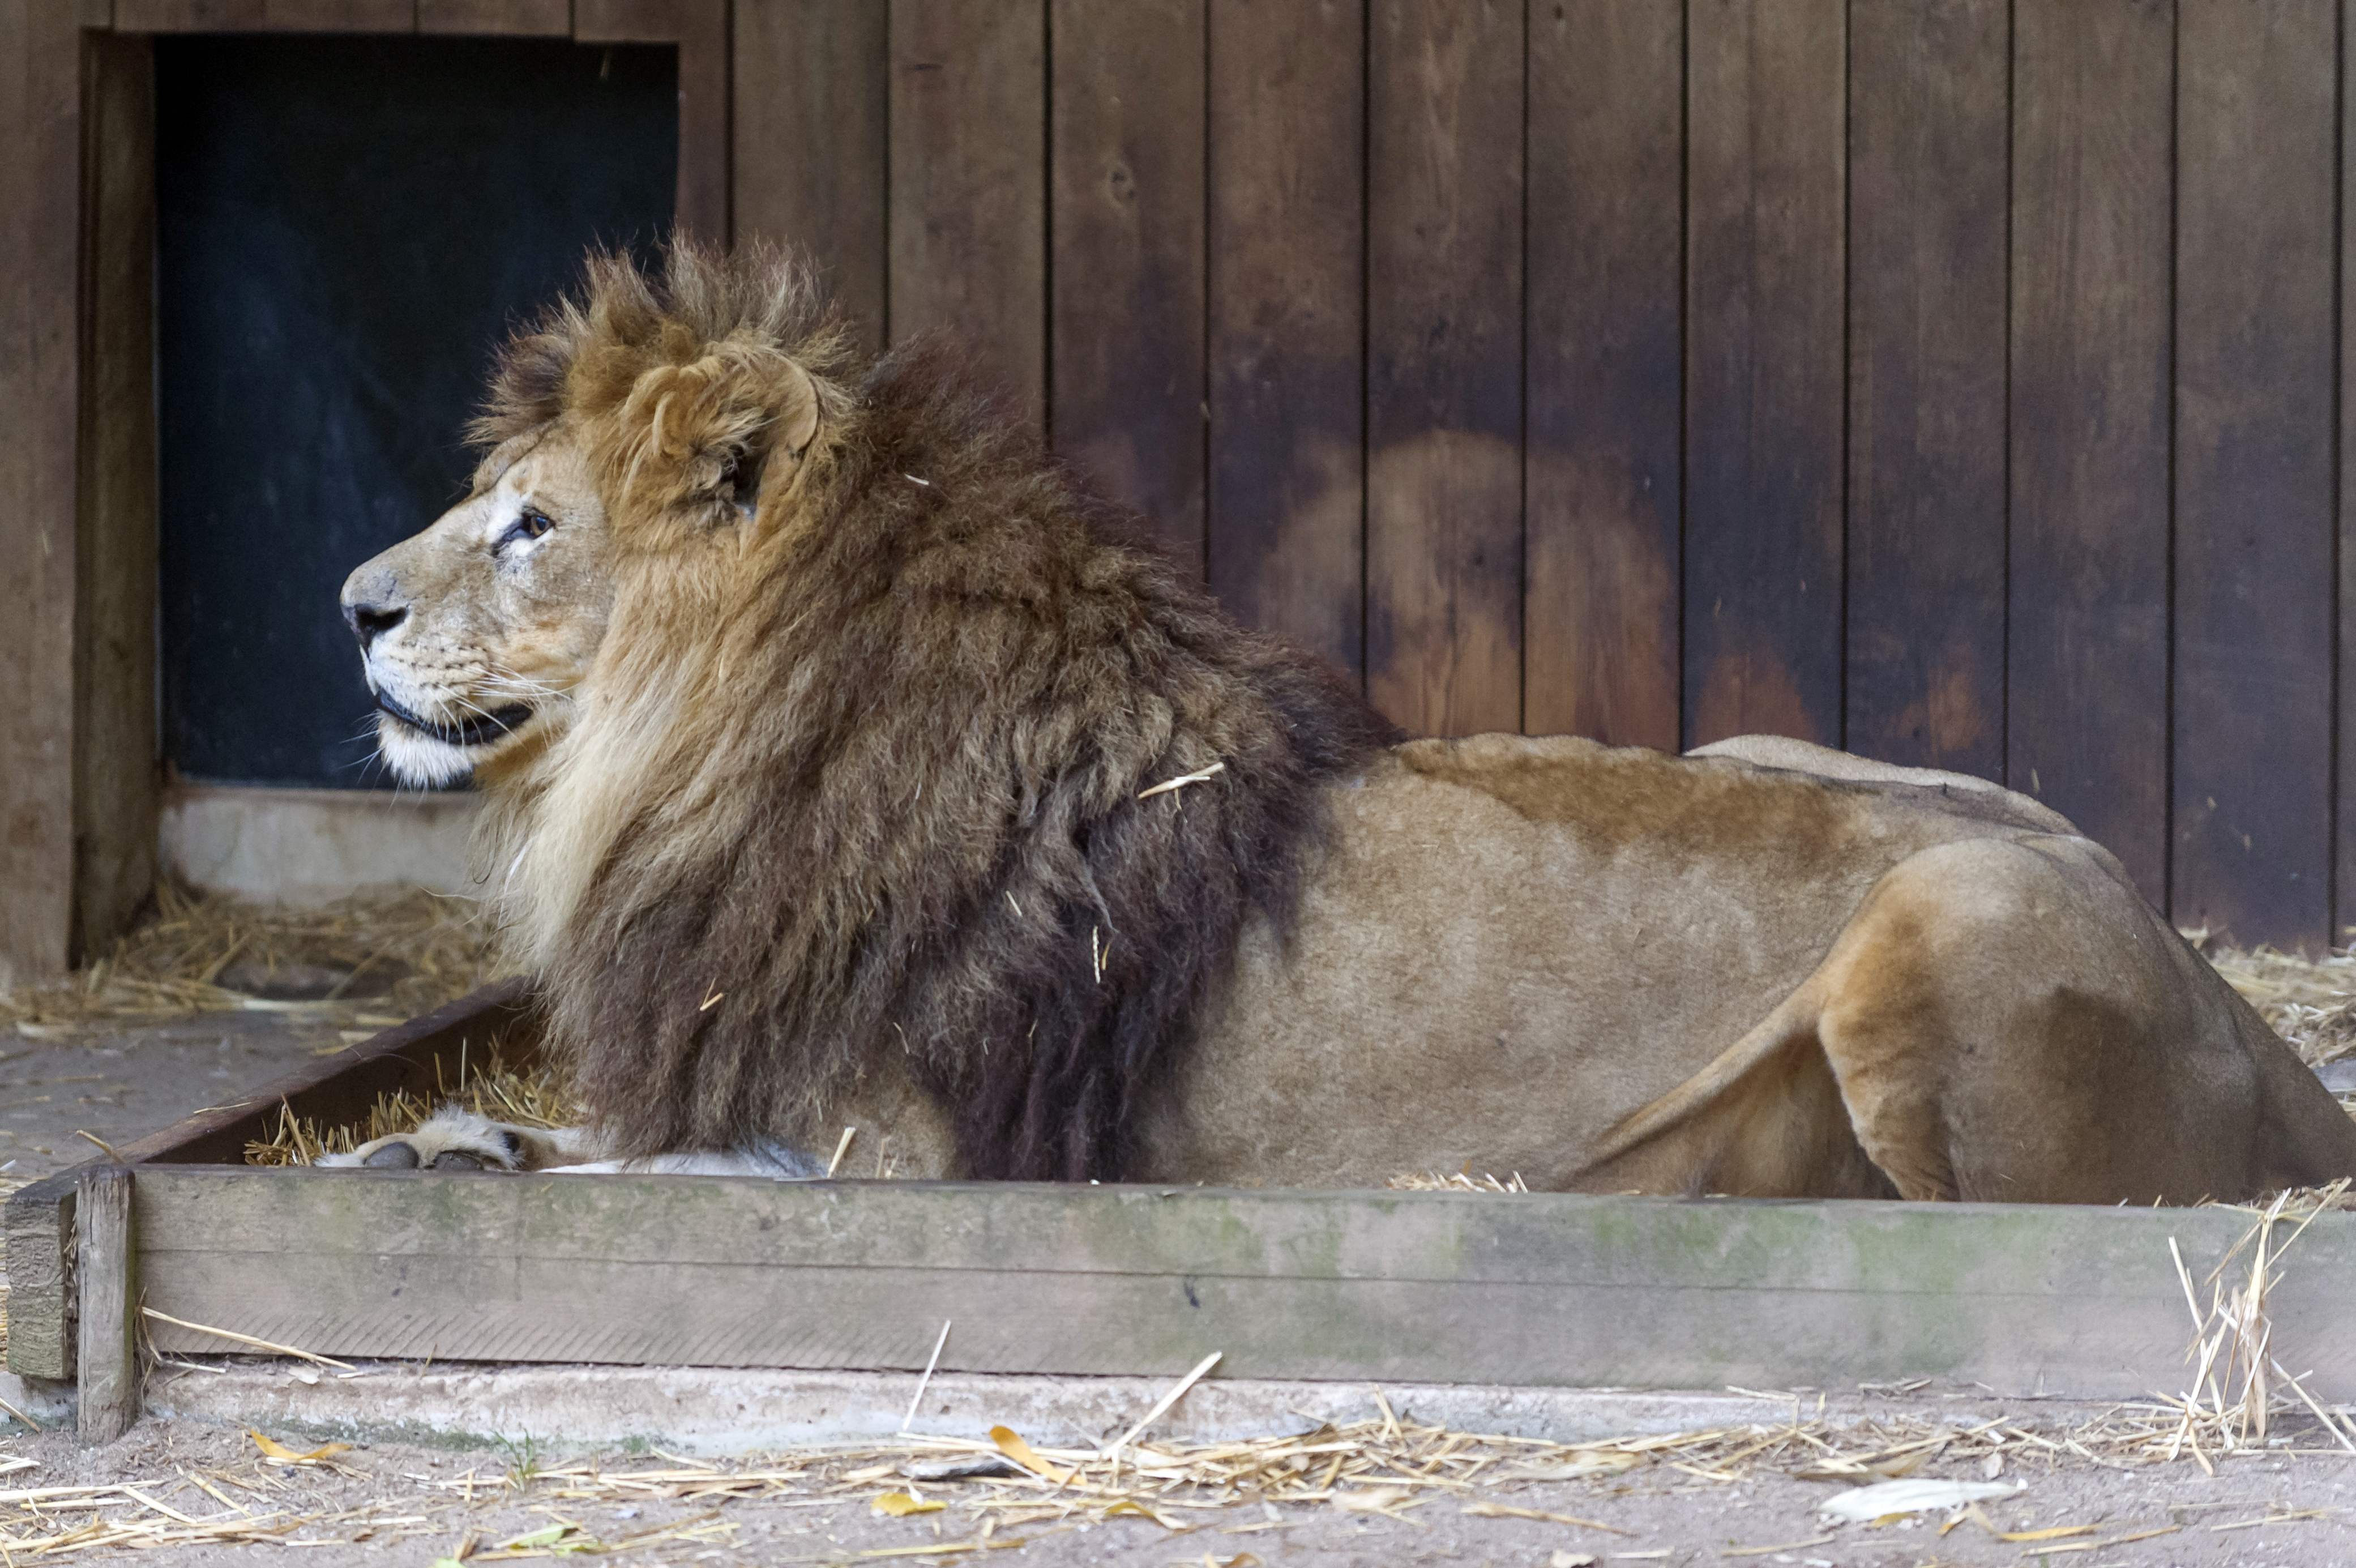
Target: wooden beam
810,85
1549,1289
1928,127
266,16
968,122
40,1221
1766,177
117,777
699,29
505,18
40,244
2257,144
1444,124
1285,338
106,1271
2092,183
1126,216
1601,470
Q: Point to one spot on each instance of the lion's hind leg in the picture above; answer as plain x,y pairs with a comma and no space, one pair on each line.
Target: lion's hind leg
2008,1022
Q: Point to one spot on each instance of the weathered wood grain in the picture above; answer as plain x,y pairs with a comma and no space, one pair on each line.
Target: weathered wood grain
106,1273
40,191
2094,102
2256,139
117,773
1764,303
1602,462
541,18
810,170
40,1221
1928,127
969,225
1444,105
1126,216
699,29
266,16
1287,330
1548,1289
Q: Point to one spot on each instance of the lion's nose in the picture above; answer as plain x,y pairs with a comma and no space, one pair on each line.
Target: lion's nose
370,621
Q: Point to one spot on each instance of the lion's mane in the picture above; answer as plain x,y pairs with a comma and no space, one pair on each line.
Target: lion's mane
897,751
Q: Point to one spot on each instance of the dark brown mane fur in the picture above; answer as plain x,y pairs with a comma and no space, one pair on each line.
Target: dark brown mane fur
948,675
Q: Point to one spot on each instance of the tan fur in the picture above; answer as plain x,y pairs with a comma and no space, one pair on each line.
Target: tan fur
1771,970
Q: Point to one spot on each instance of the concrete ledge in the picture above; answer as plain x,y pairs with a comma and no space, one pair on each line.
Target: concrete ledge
715,1412
313,846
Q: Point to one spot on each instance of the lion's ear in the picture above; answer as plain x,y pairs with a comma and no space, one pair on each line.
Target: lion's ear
709,435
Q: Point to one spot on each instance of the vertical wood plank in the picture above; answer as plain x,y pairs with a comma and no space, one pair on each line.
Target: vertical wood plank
700,30
969,248
105,1274
1444,105
811,168
116,780
2343,882
1602,468
2255,140
1928,204
1126,218
40,191
1765,268
541,18
2094,105
1285,343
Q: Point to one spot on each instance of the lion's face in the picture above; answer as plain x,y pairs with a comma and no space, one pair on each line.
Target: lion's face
474,632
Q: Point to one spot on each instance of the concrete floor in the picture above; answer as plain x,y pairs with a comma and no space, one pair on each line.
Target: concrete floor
126,1082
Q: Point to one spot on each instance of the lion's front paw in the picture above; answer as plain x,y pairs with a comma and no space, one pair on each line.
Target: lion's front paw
456,1140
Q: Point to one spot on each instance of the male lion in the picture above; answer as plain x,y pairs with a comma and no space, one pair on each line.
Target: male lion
850,763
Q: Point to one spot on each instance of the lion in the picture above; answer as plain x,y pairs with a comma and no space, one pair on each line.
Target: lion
851,764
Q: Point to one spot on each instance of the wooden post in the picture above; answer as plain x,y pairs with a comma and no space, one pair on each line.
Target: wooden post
108,1276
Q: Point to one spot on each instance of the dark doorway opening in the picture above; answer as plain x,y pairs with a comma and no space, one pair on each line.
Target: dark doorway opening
346,227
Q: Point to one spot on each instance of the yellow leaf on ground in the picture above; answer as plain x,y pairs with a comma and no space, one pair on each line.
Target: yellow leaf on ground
2055,1533
900,1505
277,1453
1010,1443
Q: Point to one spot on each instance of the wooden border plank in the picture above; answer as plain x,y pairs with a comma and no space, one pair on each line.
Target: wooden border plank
1445,116
1929,128
810,170
1285,535
417,1057
1602,468
1125,380
117,770
1765,100
41,192
266,16
699,29
969,224
498,18
2086,720
107,1273
2256,140
1550,1289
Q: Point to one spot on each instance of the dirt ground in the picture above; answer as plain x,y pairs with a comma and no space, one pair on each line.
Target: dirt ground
406,1505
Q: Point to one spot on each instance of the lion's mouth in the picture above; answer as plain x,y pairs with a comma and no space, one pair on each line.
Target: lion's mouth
471,732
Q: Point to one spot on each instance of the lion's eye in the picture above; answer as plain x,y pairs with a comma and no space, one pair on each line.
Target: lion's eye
530,524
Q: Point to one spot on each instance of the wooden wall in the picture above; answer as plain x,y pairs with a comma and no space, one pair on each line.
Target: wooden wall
1954,381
